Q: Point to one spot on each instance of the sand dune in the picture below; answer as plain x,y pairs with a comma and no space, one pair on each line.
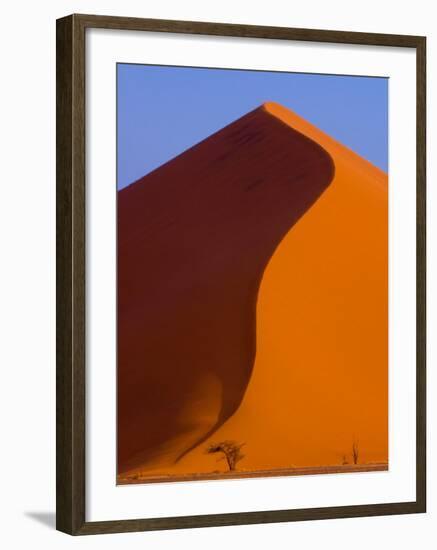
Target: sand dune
194,238
319,379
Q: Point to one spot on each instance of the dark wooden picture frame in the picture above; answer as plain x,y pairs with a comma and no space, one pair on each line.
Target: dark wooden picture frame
71,280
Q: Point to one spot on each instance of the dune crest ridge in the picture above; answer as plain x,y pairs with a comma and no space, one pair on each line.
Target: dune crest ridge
334,147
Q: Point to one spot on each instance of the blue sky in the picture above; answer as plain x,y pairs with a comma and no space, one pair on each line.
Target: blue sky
162,111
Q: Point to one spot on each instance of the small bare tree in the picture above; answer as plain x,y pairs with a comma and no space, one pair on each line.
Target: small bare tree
345,461
355,452
231,452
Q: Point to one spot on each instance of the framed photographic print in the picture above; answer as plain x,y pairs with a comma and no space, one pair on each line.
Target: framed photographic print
240,274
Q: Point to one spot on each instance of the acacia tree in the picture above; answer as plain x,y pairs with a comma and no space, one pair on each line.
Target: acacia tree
355,452
231,452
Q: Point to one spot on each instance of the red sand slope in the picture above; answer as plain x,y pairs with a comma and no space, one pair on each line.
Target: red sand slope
194,238
320,379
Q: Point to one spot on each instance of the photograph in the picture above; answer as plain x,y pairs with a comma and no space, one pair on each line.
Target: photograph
217,255
252,273
241,274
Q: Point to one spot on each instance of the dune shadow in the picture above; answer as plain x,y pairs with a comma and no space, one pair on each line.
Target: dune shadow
194,239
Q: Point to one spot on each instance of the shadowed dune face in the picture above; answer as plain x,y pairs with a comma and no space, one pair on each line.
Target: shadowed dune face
194,238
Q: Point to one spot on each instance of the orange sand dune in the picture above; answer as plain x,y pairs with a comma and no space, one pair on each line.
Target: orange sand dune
194,238
320,378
